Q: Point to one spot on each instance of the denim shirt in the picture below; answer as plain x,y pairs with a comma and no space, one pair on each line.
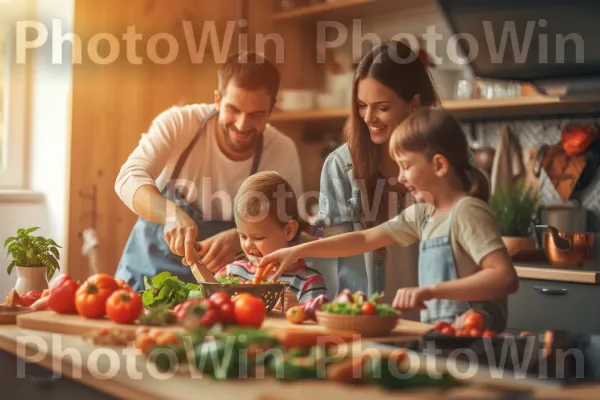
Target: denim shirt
340,212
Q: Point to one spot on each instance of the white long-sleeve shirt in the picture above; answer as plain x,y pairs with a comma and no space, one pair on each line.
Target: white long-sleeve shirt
216,177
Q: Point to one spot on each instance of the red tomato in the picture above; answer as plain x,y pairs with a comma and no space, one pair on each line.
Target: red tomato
448,330
250,311
90,299
61,296
489,333
124,306
475,320
368,309
123,285
227,313
461,333
219,298
474,332
440,325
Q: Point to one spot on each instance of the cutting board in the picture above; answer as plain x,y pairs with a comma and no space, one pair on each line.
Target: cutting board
49,321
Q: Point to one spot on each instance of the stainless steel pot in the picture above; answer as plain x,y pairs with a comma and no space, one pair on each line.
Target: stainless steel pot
567,218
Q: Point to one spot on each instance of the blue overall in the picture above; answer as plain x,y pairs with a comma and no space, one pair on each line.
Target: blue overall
436,265
147,252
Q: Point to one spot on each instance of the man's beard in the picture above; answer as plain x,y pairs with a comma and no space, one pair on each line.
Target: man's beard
240,147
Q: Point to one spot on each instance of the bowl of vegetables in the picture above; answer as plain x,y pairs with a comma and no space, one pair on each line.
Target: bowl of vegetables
269,292
369,317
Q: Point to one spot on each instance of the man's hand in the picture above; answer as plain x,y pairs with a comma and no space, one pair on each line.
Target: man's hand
412,298
180,234
219,250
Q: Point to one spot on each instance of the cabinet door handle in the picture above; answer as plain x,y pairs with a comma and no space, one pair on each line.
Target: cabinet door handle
549,290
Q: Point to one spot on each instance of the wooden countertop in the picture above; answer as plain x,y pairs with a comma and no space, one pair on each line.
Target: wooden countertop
576,275
132,377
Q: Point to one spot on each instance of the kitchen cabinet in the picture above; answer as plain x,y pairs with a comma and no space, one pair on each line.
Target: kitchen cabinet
539,305
38,382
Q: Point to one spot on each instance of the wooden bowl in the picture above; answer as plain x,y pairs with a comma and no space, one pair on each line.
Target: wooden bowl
365,325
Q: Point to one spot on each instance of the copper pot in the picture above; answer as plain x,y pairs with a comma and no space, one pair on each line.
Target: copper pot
579,251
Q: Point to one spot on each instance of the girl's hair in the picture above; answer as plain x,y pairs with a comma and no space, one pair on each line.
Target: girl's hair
434,131
396,66
267,195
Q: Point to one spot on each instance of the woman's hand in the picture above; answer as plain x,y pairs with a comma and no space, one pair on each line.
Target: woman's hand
412,298
180,234
277,262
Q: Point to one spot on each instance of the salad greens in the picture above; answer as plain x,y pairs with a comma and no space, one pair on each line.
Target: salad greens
352,304
166,290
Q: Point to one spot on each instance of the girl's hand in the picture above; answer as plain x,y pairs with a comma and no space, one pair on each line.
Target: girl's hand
276,262
412,298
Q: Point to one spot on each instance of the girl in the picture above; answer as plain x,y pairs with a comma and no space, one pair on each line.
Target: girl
267,219
359,187
463,262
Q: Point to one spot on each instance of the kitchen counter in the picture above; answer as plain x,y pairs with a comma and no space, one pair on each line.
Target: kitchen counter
123,373
551,273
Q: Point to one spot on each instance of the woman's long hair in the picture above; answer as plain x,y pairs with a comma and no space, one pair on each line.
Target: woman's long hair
396,66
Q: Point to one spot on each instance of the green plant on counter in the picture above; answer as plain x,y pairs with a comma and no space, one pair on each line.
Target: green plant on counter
32,251
515,208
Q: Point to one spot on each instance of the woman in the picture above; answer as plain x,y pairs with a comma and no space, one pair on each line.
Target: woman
359,187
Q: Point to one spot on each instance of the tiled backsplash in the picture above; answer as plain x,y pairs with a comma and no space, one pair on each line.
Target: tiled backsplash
533,134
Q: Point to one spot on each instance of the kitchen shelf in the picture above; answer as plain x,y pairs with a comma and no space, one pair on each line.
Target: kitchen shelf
530,106
337,9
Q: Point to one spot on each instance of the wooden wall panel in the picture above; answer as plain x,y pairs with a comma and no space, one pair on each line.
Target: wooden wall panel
114,104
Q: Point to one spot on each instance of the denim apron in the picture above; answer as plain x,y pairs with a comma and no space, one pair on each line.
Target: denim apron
436,265
147,252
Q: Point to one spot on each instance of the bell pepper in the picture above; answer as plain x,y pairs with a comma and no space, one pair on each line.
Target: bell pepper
61,297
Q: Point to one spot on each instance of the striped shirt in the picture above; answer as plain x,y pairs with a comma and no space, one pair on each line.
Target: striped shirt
306,283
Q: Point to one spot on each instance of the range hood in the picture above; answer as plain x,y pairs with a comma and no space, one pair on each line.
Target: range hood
557,46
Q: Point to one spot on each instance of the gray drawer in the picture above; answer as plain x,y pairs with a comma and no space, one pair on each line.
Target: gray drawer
539,305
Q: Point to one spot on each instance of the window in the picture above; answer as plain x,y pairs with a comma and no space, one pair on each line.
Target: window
13,103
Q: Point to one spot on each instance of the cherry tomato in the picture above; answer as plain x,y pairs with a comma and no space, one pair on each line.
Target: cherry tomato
90,299
219,298
475,320
227,313
124,306
295,315
474,332
144,343
167,338
461,333
448,330
488,333
441,325
250,311
368,309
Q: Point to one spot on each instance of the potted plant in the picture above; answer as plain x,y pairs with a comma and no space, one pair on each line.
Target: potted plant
35,257
515,209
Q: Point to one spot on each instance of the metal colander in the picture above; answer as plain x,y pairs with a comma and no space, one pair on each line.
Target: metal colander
270,293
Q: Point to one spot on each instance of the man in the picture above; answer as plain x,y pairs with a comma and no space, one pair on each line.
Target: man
182,177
